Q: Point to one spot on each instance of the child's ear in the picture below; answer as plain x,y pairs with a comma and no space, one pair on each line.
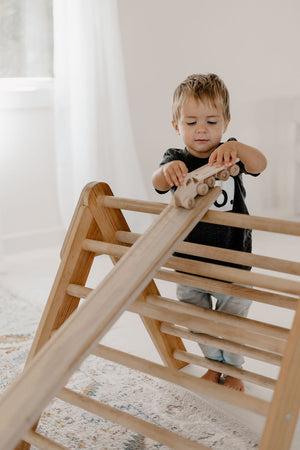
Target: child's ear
175,126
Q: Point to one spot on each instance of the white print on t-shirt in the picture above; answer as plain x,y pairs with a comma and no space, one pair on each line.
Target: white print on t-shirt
225,200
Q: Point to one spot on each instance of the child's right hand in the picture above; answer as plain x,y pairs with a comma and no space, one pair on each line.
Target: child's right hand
174,172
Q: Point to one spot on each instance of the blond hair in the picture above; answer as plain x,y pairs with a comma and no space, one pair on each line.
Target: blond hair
209,87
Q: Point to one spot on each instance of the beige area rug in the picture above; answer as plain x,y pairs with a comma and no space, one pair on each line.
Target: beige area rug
146,397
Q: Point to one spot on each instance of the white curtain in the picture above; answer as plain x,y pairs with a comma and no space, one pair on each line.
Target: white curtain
94,139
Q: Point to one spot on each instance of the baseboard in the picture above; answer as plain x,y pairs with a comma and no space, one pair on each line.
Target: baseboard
23,242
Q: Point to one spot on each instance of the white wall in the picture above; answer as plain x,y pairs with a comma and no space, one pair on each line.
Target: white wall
29,215
253,46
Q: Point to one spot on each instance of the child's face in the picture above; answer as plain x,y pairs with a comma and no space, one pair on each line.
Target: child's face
201,126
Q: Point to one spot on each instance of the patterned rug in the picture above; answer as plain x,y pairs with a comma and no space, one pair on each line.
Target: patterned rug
146,397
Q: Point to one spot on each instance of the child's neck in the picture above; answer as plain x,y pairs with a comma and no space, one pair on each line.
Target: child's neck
203,155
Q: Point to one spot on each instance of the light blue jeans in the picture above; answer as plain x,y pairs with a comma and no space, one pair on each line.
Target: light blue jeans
225,303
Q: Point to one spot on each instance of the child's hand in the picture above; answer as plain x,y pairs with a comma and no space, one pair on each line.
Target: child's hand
174,172
224,155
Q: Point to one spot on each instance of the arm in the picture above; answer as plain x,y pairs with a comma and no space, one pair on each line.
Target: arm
253,160
168,175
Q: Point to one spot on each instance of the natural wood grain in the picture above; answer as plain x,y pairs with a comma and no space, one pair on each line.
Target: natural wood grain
284,411
218,217
246,375
22,403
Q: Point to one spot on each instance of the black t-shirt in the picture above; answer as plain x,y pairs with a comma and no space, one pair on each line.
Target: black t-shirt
232,199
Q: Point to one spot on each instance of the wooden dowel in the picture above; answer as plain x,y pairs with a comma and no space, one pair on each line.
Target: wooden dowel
235,334
253,222
131,204
42,442
218,217
223,254
227,369
106,248
223,344
185,380
233,275
207,314
251,352
256,326
209,270
226,288
78,291
129,421
269,298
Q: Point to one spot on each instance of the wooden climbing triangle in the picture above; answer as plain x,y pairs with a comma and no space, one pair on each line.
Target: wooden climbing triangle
99,227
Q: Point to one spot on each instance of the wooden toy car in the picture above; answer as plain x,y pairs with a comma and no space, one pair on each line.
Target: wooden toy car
199,181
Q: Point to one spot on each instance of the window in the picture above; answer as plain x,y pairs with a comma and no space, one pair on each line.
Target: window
26,38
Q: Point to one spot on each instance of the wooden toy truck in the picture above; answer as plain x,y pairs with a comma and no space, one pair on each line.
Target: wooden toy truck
199,181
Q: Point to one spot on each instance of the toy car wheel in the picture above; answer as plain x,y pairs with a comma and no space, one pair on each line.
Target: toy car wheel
188,202
202,189
210,181
223,175
234,170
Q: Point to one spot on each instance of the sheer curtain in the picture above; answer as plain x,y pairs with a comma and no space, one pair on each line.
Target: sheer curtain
94,140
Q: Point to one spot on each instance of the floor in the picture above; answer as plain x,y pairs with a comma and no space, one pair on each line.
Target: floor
31,275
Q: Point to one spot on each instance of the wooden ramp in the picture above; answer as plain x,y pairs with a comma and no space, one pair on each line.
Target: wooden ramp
99,227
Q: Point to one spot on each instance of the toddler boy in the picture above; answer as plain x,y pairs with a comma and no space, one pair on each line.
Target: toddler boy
201,114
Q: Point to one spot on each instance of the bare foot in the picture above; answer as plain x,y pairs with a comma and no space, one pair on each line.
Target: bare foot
211,375
234,383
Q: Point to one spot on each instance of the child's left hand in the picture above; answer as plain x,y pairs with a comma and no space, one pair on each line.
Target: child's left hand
224,155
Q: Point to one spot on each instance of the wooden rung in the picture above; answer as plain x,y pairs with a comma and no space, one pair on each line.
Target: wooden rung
225,369
269,298
105,248
34,438
128,421
218,217
253,222
233,275
75,290
223,254
220,317
131,204
181,307
224,344
185,380
235,334
209,270
251,352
